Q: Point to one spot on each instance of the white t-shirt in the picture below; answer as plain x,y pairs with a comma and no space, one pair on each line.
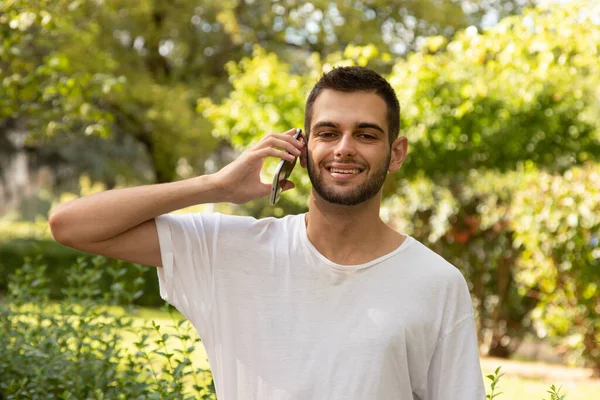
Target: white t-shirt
280,321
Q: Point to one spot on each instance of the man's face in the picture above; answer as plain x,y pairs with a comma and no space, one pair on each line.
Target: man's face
348,148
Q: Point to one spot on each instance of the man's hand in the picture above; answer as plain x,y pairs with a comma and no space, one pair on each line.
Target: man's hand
240,180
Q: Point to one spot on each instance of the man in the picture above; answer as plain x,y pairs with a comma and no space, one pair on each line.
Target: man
331,304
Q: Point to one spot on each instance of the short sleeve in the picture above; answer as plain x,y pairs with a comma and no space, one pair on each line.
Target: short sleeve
455,371
186,279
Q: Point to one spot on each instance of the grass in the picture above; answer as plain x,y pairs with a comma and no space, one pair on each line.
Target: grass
532,380
522,380
515,388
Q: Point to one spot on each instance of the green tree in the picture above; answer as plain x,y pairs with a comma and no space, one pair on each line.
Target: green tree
36,79
523,90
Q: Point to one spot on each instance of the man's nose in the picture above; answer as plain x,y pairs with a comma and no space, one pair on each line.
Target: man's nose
345,146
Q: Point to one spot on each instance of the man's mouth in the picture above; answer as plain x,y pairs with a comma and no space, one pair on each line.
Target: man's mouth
342,173
350,171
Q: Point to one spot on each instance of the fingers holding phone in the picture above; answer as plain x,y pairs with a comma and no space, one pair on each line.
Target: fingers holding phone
284,170
288,141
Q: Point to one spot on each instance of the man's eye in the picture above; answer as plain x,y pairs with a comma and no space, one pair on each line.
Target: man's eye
367,136
326,134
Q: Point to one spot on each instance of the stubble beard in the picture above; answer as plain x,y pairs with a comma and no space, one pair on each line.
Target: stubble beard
350,196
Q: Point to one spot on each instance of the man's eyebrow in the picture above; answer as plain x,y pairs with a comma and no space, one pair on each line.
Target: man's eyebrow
371,125
326,124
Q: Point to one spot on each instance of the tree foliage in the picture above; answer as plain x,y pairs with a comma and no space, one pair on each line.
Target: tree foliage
38,79
523,90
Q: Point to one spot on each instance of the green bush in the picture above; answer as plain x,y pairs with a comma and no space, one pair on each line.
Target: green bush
76,349
57,257
556,219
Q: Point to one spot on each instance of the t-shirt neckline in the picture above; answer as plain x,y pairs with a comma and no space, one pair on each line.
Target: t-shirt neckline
348,268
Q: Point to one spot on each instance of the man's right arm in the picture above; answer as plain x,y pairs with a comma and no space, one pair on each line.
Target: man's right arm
120,223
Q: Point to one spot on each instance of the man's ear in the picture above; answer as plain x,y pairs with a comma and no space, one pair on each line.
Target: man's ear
398,150
304,151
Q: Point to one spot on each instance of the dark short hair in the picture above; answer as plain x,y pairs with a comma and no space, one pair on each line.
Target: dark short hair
357,79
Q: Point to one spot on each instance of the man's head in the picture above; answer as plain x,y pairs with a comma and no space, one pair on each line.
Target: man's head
357,79
352,124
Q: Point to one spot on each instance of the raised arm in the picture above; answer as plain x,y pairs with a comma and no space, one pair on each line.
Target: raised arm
120,223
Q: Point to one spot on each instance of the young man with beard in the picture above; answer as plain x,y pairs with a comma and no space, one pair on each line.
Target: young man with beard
331,304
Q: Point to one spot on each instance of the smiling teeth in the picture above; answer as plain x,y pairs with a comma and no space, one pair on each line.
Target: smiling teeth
345,171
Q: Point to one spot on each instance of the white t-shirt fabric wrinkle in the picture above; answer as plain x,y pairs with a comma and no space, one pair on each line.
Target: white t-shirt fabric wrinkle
279,320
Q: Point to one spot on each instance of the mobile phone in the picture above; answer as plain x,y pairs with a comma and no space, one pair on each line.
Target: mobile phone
282,172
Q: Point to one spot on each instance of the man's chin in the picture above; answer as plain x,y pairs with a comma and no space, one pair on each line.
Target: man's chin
342,197
343,192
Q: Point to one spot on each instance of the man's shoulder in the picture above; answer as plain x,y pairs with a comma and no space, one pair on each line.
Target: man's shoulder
433,264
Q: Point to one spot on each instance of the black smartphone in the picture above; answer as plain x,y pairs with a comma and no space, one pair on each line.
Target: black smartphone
282,172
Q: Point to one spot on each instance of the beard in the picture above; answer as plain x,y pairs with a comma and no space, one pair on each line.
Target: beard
348,196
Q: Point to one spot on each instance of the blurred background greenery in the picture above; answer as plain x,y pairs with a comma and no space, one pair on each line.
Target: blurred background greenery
500,103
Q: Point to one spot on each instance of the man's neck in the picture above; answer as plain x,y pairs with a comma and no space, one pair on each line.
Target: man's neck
349,235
